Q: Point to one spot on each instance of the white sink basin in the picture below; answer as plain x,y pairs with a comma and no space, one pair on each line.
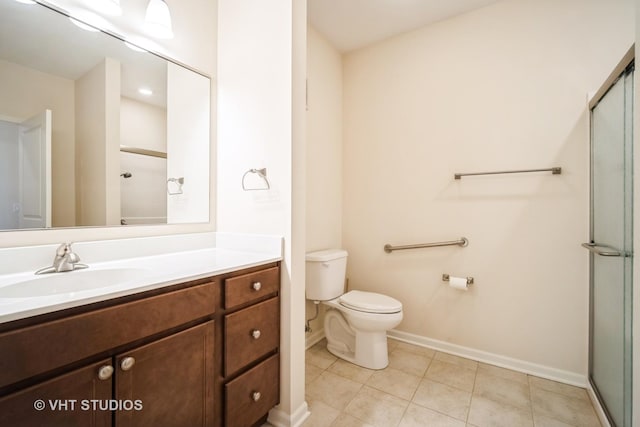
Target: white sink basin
69,282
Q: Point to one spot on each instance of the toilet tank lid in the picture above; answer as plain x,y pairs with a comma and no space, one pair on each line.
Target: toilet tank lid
326,255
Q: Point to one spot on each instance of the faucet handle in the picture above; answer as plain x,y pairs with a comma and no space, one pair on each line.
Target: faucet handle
63,249
73,257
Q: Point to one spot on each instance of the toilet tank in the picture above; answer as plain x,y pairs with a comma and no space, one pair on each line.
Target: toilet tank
325,274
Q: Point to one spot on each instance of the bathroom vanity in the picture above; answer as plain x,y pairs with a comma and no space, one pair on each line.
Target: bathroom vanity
198,352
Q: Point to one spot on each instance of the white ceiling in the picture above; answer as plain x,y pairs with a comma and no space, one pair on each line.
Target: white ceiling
352,24
42,39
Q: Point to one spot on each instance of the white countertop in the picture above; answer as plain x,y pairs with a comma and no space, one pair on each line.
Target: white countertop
157,271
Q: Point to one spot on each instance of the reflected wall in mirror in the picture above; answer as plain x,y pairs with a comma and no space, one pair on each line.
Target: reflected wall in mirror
93,132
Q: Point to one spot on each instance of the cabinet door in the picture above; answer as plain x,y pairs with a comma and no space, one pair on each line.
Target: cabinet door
62,401
172,379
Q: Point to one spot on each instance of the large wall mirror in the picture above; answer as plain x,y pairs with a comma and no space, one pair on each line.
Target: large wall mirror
95,131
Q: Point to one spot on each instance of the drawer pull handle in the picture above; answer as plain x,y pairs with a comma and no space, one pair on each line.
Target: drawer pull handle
127,363
256,286
256,395
105,372
256,334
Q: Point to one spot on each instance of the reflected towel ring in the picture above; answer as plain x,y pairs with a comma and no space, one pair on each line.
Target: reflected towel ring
262,173
177,188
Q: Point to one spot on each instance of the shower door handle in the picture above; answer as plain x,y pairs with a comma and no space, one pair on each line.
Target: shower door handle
603,250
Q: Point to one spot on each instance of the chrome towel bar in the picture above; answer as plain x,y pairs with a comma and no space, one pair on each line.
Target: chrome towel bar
554,171
603,250
174,186
461,242
262,173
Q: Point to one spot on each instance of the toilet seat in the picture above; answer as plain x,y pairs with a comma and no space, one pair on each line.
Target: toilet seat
370,302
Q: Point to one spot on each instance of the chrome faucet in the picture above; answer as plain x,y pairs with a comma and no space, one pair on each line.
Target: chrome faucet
65,260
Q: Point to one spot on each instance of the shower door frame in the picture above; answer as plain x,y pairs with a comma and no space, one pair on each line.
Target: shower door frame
621,70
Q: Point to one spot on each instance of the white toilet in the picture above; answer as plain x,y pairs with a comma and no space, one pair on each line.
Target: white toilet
357,322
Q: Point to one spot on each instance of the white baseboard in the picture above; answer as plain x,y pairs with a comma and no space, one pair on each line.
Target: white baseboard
313,338
279,418
596,405
542,371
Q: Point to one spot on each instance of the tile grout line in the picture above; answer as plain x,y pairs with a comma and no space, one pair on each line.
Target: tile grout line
422,377
531,386
475,380
533,416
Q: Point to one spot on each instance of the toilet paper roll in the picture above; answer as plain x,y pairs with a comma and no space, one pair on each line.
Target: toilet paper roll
458,283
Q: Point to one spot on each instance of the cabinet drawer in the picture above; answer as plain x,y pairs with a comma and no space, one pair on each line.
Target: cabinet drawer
250,287
251,333
250,396
37,349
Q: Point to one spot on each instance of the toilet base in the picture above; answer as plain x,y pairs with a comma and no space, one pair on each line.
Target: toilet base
366,349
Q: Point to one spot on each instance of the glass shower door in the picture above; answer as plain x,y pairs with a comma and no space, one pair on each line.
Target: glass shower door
611,249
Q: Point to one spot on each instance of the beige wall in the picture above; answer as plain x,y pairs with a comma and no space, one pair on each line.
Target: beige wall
324,144
27,92
143,196
97,95
188,145
636,236
503,87
143,125
261,123
324,153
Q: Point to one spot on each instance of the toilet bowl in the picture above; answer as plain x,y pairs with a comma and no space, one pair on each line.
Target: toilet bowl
357,322
360,336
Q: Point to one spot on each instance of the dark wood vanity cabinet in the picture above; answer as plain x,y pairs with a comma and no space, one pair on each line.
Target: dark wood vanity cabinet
160,358
165,383
251,340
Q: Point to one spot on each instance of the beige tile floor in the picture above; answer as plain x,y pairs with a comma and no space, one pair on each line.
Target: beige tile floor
422,387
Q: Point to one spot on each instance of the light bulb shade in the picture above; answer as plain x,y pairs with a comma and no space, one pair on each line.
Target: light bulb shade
158,19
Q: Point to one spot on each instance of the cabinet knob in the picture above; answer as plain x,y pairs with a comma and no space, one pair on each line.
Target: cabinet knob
256,395
127,363
256,286
105,372
256,334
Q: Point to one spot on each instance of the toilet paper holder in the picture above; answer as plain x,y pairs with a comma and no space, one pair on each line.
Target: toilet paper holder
445,278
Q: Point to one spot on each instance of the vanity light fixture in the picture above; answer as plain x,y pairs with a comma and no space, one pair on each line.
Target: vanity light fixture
158,19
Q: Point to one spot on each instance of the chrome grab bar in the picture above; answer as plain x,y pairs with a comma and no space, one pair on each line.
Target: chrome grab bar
593,247
461,242
554,171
